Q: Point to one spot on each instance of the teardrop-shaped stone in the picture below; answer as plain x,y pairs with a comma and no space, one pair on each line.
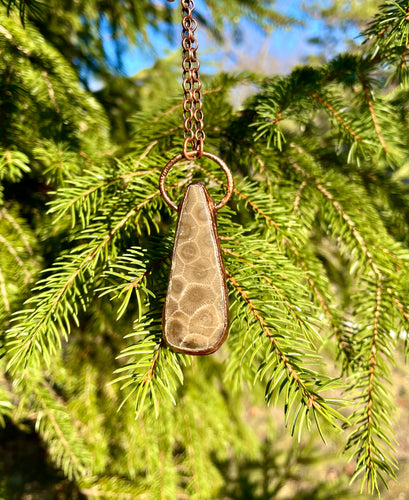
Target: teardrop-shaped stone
195,316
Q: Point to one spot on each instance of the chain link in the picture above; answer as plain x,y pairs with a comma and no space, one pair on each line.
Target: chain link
192,104
192,109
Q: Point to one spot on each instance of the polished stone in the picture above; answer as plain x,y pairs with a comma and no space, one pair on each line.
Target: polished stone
195,317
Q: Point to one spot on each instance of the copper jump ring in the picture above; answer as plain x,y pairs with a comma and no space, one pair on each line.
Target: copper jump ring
211,156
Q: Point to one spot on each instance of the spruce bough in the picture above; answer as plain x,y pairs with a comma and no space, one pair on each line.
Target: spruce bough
314,242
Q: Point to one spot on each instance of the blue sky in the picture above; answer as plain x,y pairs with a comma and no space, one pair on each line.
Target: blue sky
282,48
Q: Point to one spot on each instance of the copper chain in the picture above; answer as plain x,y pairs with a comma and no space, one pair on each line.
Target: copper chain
192,103
192,109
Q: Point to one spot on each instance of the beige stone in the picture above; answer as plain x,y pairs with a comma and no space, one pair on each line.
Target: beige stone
195,316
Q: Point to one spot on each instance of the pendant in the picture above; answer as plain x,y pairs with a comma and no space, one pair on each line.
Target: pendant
195,315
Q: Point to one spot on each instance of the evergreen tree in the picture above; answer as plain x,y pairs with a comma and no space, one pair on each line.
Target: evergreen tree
314,240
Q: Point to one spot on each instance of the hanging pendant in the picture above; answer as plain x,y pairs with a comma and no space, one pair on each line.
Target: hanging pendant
195,315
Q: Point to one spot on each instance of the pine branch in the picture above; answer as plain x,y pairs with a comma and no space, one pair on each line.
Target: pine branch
153,371
387,33
43,314
338,207
54,425
88,199
372,437
113,488
291,309
314,243
253,310
308,274
5,214
13,253
13,165
296,204
70,285
6,398
4,294
282,363
18,265
33,6
399,304
337,116
344,346
288,242
46,80
374,118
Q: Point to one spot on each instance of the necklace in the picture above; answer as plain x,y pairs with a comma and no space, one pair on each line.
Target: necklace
195,315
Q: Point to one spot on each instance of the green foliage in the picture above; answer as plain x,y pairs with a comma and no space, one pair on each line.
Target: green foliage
314,241
388,36
6,405
79,32
18,262
337,12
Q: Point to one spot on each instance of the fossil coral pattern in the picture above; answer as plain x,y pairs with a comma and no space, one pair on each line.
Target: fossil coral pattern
196,309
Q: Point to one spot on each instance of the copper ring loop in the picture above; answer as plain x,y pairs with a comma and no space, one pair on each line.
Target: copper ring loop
211,156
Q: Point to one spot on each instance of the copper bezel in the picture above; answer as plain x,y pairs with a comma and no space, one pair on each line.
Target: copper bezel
223,336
